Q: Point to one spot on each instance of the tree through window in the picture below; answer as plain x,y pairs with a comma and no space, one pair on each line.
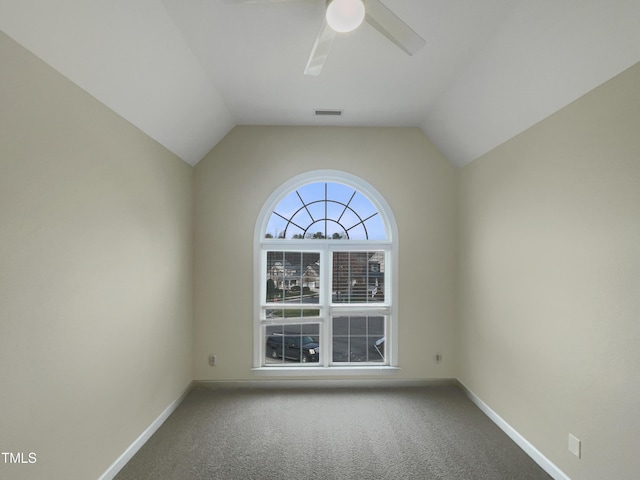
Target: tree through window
326,256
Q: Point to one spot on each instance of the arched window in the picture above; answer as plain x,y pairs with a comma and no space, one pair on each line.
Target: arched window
325,263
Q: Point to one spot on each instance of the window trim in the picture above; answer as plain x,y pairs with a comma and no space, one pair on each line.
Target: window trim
390,245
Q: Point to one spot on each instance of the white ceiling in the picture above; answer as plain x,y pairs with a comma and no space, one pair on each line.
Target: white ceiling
187,71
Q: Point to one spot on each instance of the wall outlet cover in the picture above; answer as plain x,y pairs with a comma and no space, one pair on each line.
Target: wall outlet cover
574,446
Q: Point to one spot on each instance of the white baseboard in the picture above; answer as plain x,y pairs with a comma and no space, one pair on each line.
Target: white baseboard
522,442
116,466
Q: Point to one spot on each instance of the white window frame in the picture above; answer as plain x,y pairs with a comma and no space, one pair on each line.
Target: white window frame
388,308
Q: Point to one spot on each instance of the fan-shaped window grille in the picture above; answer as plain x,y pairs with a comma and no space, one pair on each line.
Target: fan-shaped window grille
326,210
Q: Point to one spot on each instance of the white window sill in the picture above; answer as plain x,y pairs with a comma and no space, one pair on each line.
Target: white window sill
322,371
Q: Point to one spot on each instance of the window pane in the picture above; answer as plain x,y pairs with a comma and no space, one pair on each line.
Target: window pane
292,343
357,232
340,349
289,205
358,326
317,230
357,339
317,210
335,231
275,227
312,192
293,232
340,326
375,326
362,205
293,277
358,277
375,228
335,211
349,219
339,192
302,218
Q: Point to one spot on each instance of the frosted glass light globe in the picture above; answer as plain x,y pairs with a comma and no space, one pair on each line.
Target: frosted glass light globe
345,15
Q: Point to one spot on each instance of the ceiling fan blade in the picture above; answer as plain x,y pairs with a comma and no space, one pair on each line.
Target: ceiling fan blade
320,49
388,23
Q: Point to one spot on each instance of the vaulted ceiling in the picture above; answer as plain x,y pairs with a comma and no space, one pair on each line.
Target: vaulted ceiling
187,71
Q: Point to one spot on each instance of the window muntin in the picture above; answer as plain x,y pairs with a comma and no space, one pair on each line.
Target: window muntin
353,320
358,339
292,277
344,229
292,343
358,277
325,210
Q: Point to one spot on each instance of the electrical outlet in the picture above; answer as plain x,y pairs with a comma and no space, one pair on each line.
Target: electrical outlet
575,446
212,360
437,358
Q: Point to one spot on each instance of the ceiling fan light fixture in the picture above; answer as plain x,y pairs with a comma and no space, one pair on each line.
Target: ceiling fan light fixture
345,15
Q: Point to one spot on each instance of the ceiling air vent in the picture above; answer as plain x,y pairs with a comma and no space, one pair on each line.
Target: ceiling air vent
328,113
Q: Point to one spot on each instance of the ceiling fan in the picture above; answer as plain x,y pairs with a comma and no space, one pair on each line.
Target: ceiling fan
346,15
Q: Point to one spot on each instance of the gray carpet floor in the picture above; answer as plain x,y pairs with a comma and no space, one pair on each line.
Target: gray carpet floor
360,433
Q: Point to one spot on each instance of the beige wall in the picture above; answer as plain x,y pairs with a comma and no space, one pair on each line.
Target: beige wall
95,275
550,281
237,177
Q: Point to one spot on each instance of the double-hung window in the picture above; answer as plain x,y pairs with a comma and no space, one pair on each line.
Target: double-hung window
325,284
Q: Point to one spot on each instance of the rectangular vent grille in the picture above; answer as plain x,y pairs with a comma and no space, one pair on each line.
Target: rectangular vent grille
328,113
